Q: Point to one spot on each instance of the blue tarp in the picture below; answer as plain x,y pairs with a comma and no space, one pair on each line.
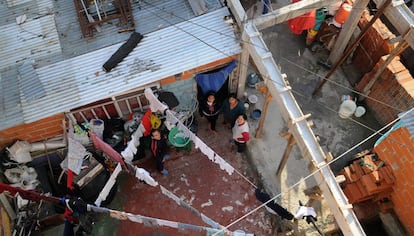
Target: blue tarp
214,81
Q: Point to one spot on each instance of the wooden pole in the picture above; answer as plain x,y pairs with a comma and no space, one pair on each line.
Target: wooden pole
396,51
352,46
291,142
259,130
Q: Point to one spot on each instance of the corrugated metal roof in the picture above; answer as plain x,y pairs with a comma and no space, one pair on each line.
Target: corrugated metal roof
29,82
31,40
166,52
408,120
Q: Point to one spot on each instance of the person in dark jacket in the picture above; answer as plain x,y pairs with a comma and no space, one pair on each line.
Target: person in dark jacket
231,108
210,109
159,150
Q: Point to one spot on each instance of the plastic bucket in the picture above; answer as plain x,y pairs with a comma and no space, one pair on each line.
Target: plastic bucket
347,109
342,14
97,126
253,99
246,106
359,111
256,114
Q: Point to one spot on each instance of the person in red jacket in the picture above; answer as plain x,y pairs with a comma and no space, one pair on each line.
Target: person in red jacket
241,132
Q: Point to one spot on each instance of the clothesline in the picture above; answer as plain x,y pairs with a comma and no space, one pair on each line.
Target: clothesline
180,202
204,148
155,222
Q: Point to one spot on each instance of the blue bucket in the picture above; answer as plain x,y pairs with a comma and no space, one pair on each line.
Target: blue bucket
256,114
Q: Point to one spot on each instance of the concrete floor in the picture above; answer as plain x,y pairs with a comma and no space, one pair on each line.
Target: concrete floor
197,181
336,135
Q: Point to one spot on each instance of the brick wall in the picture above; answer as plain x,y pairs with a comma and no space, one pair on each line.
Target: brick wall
396,150
33,132
373,45
394,87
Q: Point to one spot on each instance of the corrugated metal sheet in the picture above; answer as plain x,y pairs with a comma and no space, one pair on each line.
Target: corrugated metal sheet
10,110
31,40
169,51
29,82
408,120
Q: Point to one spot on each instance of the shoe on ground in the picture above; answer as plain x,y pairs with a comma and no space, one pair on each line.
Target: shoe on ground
164,172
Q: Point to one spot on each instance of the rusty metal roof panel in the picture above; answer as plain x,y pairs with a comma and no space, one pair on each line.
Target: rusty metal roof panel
166,52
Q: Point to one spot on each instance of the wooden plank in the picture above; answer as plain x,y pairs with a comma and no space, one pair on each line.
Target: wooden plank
347,31
289,12
5,227
243,66
6,204
402,18
90,176
288,149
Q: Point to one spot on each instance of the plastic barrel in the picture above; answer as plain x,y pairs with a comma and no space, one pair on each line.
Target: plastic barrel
347,109
341,15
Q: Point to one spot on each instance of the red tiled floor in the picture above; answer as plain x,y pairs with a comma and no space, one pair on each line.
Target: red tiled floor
200,183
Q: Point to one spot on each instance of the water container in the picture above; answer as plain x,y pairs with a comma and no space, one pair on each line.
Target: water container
252,80
347,109
359,111
341,15
97,126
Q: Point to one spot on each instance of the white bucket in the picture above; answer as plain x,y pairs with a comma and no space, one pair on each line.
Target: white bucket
359,111
97,126
347,109
246,106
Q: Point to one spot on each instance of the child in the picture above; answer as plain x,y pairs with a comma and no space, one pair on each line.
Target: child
159,150
210,109
241,132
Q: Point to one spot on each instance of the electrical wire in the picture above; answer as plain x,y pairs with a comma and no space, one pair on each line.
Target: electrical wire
301,67
342,86
313,173
266,49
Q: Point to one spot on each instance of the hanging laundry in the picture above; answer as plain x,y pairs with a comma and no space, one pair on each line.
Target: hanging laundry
303,22
180,202
155,104
107,149
145,176
108,186
272,206
76,153
223,164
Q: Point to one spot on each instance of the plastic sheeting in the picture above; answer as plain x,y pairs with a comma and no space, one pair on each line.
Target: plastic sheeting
214,81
